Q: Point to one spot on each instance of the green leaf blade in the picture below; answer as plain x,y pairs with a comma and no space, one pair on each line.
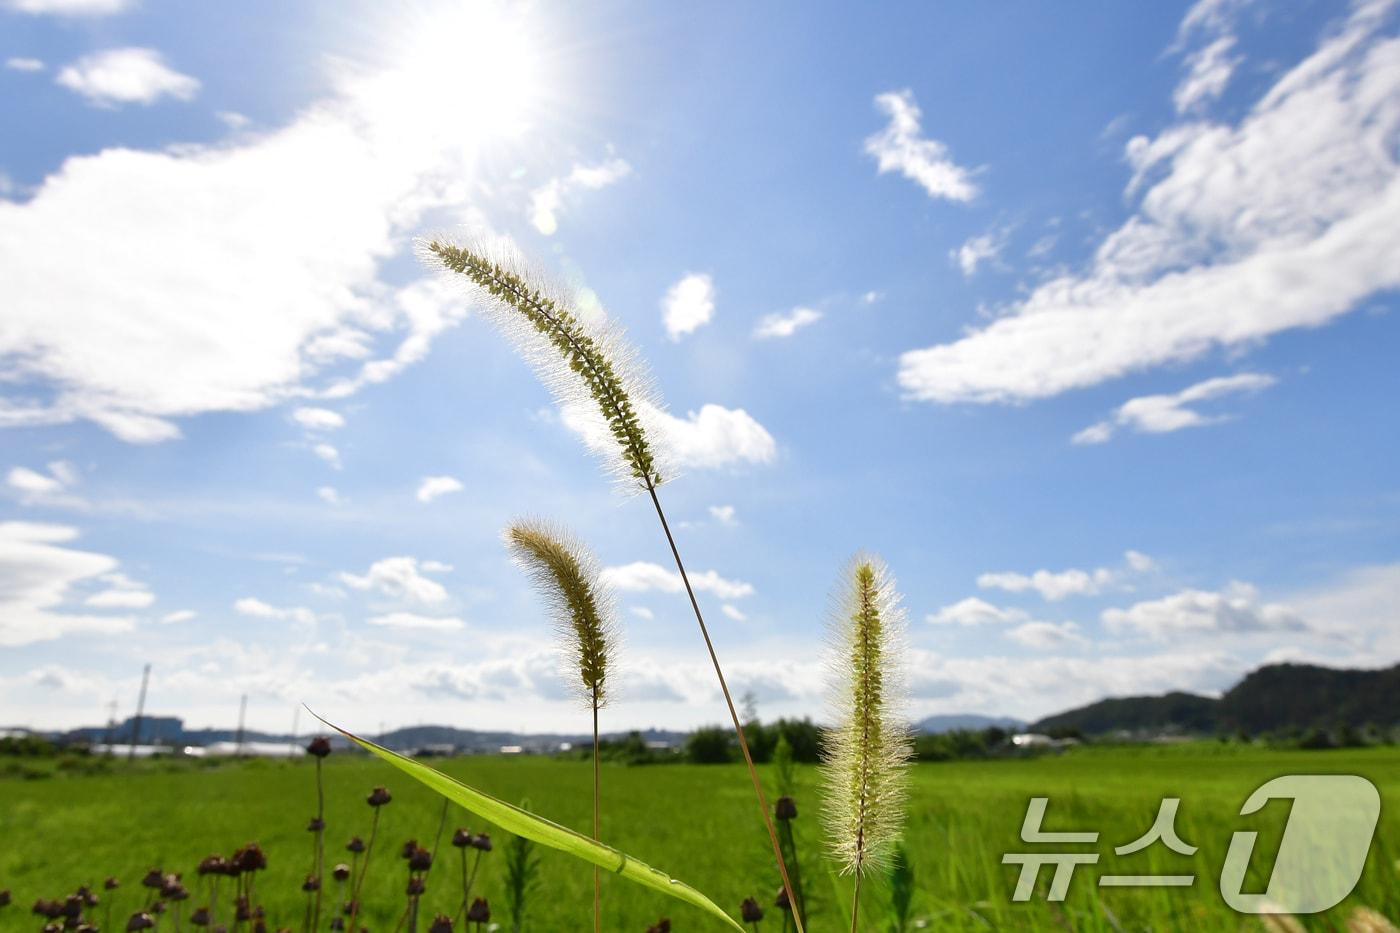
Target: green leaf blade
546,833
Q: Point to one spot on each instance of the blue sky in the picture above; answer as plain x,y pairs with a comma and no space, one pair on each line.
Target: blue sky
1086,324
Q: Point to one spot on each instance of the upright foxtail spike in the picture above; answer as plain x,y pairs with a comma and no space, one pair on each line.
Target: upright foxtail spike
866,755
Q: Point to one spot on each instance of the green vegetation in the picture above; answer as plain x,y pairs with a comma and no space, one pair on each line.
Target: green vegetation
78,828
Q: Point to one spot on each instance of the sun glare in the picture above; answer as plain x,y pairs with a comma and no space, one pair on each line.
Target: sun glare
463,73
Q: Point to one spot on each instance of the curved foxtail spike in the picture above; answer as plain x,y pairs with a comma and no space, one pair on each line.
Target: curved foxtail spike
584,612
866,754
583,361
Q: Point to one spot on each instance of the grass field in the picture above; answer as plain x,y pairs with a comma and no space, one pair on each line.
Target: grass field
697,823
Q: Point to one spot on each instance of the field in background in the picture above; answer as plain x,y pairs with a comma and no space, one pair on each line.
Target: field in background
696,822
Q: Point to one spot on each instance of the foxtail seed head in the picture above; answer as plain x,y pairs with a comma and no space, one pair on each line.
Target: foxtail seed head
567,573
582,362
866,755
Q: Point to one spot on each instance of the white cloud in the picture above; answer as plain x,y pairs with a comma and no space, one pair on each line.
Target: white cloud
642,577
1047,636
872,297
24,64
899,147
307,214
328,453
328,495
1050,585
712,438
1056,585
547,201
724,514
252,606
126,76
1139,562
36,574
434,486
399,577
1285,220
733,612
121,598
1160,414
318,419
46,489
1235,610
785,325
27,480
973,611
642,612
178,616
233,119
410,620
1210,70
688,305
977,250
69,7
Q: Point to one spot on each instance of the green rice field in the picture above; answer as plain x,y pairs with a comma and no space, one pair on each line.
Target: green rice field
695,822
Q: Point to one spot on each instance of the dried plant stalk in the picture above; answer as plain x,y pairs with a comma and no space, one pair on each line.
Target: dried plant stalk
866,754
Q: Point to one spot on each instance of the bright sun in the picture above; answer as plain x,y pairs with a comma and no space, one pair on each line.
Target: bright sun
464,73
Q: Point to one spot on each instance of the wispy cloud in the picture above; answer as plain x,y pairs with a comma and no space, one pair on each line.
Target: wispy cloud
39,572
400,577
318,419
724,514
772,326
1235,610
712,438
258,609
1248,230
126,76
688,305
1209,71
24,64
434,486
1057,585
548,200
643,576
69,7
412,620
899,147
977,250
1161,414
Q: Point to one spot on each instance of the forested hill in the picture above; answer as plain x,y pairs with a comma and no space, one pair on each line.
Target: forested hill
1277,697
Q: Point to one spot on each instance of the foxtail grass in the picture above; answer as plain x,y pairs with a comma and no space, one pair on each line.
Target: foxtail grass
866,755
580,361
584,614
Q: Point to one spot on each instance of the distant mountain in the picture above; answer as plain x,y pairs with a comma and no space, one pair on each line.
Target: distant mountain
1174,712
1307,696
938,724
1272,698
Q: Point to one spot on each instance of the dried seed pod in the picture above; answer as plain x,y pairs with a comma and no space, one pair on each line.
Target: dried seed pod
785,809
378,797
479,912
749,911
355,845
482,841
319,747
462,838
341,872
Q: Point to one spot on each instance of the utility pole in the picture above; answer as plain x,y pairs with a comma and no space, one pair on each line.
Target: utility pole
140,710
296,721
238,739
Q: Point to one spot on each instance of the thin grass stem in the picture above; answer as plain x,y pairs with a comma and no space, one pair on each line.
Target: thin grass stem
729,701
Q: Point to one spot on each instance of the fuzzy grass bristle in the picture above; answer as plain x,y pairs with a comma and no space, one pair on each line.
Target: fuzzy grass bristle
579,359
566,573
866,755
